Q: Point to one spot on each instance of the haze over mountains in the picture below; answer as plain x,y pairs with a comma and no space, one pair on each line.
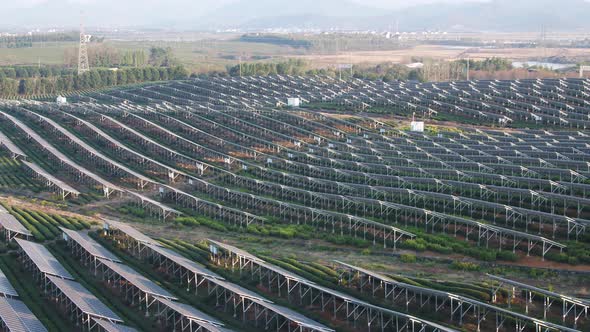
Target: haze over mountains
494,15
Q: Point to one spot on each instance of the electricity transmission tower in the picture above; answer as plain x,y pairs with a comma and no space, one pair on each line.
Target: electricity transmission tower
83,64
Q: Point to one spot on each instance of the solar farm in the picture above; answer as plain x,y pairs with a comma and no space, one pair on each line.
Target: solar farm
185,201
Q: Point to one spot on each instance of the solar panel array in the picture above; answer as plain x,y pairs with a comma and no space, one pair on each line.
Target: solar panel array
59,278
57,154
183,261
14,314
206,321
362,306
90,245
50,178
84,299
45,262
9,222
213,279
13,148
143,284
130,231
560,102
17,317
6,288
109,326
136,279
320,166
518,189
357,174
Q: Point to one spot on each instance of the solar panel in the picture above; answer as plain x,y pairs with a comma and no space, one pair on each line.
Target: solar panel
131,232
241,291
5,287
190,312
259,261
236,250
46,175
10,223
83,299
91,149
136,279
4,140
109,326
183,261
17,317
51,149
296,317
91,246
43,259
144,199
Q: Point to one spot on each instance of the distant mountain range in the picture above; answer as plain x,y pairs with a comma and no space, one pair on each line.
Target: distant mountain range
494,15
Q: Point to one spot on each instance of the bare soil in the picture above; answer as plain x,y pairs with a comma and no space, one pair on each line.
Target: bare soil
404,56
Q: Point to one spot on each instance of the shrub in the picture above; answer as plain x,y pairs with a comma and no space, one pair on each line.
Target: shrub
415,244
561,257
465,266
190,221
439,248
507,256
213,224
408,258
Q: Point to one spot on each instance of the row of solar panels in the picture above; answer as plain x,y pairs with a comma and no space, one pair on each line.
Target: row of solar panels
61,280
15,316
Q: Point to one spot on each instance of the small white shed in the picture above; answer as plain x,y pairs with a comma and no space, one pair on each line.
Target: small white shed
293,102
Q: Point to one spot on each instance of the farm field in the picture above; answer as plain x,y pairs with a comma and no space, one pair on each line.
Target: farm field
442,53
49,53
192,194
210,54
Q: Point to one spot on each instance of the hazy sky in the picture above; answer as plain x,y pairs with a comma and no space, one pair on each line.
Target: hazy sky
216,3
142,12
257,14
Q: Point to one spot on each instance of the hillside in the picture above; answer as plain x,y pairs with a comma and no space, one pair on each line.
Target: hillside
496,15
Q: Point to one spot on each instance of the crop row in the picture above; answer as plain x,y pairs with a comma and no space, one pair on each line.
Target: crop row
45,226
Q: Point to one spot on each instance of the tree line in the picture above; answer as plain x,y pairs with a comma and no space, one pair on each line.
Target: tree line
385,72
111,67
431,70
289,67
33,71
27,40
489,64
106,56
94,79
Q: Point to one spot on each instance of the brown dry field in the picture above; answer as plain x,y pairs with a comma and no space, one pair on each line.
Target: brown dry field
442,53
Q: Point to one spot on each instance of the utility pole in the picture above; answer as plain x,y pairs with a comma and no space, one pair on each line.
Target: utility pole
240,64
83,63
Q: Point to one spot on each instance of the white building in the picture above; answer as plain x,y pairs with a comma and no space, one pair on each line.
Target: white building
61,100
293,102
417,126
